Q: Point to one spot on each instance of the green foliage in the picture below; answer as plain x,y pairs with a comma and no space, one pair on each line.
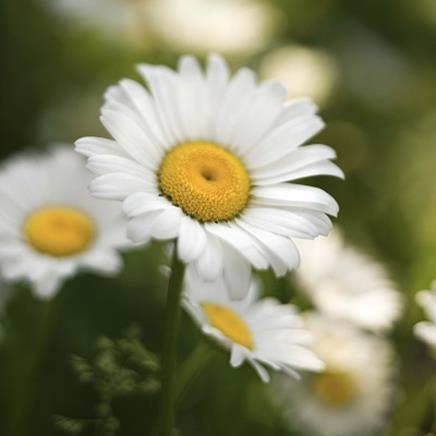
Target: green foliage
120,367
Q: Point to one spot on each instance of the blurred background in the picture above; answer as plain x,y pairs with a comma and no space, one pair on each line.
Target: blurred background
371,68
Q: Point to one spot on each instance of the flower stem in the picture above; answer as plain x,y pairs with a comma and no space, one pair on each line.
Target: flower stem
192,366
169,354
21,419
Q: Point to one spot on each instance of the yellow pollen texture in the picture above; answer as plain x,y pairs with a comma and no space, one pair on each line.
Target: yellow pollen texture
229,324
206,181
59,231
336,389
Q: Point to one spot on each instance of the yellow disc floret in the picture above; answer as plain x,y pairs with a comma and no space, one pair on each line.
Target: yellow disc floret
206,181
229,324
59,231
336,389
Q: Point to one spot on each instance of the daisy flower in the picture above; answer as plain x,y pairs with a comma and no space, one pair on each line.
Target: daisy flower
226,26
346,284
49,224
426,330
203,159
262,332
352,396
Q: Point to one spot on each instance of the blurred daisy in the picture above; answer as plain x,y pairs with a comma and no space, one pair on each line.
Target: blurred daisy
226,26
345,284
204,159
118,20
304,71
426,330
352,396
262,332
49,224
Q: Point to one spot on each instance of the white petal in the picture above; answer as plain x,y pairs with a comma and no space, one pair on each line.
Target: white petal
261,113
47,286
164,86
293,161
261,371
282,140
192,99
292,195
295,108
131,137
192,239
217,78
103,164
237,356
144,104
105,260
234,104
282,222
139,203
210,263
284,255
91,146
118,186
237,273
242,242
167,225
139,228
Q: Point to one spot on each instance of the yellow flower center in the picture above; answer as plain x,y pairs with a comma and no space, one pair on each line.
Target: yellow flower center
336,389
229,324
206,181
59,231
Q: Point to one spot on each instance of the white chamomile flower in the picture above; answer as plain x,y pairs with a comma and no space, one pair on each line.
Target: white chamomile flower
262,332
50,226
226,26
352,396
426,330
346,284
204,159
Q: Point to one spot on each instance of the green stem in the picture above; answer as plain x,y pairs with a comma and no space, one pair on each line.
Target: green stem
21,417
192,366
169,355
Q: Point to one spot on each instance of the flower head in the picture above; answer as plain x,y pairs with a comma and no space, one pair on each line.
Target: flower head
347,285
262,332
426,330
352,396
49,224
203,159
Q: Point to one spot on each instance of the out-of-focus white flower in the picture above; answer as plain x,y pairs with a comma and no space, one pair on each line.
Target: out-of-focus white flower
226,26
346,284
202,159
303,70
352,396
50,226
426,330
119,20
262,332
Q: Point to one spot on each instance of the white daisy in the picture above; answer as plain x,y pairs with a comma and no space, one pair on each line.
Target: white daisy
352,396
226,26
346,284
426,330
49,224
262,332
204,159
